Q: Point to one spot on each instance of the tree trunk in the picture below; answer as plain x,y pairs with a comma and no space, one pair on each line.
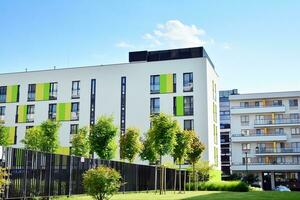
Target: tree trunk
161,176
155,182
179,180
194,176
175,173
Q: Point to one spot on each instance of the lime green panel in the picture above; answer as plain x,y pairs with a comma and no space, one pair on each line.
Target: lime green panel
163,83
68,111
63,150
22,113
12,93
169,83
39,94
11,135
46,91
179,106
61,111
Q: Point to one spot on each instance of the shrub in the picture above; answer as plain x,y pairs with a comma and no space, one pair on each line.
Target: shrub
3,179
101,182
234,186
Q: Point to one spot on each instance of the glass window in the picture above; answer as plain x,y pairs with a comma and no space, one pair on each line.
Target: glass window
188,124
3,94
188,105
188,82
277,102
154,106
244,104
30,113
75,111
245,120
246,146
245,132
154,84
74,129
52,111
31,92
75,89
2,110
295,131
293,102
53,91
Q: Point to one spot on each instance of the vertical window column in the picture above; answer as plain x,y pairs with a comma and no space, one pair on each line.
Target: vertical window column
93,102
123,105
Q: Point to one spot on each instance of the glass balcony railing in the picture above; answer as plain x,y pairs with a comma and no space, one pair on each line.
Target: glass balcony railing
255,134
277,121
277,150
257,106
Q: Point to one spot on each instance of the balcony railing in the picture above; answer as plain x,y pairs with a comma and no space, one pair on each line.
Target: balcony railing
277,121
266,163
251,134
75,94
256,106
277,150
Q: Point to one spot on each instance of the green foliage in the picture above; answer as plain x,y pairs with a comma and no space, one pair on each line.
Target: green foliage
148,151
3,136
49,142
80,143
102,137
130,144
250,179
33,137
196,150
102,182
42,138
202,169
3,179
215,175
234,186
182,146
162,133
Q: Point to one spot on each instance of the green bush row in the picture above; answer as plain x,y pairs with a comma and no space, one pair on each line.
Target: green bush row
234,186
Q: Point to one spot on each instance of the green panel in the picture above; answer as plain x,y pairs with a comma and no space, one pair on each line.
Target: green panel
63,112
11,135
46,91
68,111
170,83
42,91
12,93
179,106
163,83
22,113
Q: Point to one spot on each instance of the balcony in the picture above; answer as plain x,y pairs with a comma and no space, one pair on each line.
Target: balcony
276,151
257,109
277,122
260,166
262,137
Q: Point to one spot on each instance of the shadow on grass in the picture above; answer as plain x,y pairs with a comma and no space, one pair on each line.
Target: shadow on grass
247,196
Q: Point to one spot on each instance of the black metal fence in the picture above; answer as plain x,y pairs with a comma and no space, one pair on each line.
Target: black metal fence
36,174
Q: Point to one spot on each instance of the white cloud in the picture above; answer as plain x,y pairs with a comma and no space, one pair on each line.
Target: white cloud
226,46
124,44
175,34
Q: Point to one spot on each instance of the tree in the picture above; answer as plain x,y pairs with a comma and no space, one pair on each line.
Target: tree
148,151
130,144
195,152
3,179
102,137
49,141
181,148
3,136
33,137
102,182
162,133
80,143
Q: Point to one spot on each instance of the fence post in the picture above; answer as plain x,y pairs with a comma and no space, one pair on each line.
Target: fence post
50,174
25,174
184,183
70,178
155,177
189,182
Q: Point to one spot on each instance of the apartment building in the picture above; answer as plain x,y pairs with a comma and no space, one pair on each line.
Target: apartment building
225,131
265,137
180,82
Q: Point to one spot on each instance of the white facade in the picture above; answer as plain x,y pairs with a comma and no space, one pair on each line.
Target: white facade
108,96
265,128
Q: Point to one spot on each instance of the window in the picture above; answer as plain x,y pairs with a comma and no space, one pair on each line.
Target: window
30,113
75,89
248,160
188,105
53,91
279,130
295,131
154,84
31,92
294,115
154,106
74,129
2,114
188,82
277,102
293,102
3,94
52,111
75,111
244,104
245,120
246,146
188,124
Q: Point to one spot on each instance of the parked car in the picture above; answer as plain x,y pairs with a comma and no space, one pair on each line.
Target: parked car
282,188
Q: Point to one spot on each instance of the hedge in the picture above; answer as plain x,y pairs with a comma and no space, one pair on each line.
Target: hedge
234,186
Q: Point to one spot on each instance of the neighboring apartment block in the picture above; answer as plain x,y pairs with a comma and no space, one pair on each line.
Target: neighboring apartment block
225,131
180,82
265,136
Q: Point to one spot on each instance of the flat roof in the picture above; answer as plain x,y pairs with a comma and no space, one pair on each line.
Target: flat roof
265,95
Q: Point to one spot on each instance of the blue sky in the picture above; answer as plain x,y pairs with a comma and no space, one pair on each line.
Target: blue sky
255,45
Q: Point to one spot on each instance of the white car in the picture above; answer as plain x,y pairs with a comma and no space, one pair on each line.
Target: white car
282,188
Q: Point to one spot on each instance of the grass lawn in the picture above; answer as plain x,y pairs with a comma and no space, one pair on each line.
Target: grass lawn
201,195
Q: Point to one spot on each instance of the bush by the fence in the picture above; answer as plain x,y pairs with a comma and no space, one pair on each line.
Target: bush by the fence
234,186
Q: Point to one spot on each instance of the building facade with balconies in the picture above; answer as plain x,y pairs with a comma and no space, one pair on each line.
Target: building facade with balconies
179,82
265,137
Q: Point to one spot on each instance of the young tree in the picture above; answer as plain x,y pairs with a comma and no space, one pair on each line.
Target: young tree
3,136
33,138
195,152
80,143
130,144
102,182
148,152
181,148
102,137
49,140
3,179
162,133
